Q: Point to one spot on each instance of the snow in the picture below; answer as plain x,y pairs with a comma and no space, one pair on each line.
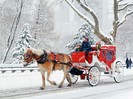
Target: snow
107,89
27,79
18,79
111,92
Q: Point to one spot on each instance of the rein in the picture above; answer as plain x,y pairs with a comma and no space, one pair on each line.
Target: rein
68,63
58,62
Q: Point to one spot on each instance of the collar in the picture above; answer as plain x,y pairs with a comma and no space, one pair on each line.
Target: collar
43,58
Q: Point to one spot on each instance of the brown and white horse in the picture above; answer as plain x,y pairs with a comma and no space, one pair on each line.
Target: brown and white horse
48,62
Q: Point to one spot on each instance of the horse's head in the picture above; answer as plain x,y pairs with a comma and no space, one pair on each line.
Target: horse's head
28,57
32,54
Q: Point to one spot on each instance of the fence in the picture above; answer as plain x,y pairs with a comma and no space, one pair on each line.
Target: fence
17,67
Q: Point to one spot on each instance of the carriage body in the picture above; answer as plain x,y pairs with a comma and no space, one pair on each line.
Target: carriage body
103,60
106,56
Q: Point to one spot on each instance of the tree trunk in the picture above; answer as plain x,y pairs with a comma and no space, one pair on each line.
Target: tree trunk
13,33
97,31
116,21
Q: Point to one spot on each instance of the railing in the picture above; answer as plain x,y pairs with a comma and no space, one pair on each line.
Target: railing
17,67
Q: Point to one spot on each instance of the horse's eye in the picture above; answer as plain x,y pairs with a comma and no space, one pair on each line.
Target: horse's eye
26,56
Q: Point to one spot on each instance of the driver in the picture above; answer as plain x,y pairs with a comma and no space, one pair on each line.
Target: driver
86,46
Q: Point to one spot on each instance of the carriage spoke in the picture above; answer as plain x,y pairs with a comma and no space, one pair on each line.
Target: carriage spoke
93,76
74,78
119,70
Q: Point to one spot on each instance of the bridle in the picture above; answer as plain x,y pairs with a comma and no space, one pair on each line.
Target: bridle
27,58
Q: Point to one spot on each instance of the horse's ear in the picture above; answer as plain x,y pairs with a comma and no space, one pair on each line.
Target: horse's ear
31,50
26,50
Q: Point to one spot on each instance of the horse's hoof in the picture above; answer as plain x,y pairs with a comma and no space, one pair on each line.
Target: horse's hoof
69,85
41,88
59,86
54,83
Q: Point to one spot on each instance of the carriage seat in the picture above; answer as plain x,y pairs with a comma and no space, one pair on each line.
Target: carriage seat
89,56
80,57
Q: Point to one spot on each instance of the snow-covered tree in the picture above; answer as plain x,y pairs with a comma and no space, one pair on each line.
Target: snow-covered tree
119,5
24,40
84,31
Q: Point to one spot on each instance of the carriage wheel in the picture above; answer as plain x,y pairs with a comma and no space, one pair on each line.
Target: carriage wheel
74,78
119,71
93,76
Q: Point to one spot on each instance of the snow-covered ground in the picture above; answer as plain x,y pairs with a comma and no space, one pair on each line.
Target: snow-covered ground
107,88
113,91
16,80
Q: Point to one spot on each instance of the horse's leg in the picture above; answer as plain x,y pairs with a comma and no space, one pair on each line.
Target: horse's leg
43,81
48,75
69,79
66,75
61,84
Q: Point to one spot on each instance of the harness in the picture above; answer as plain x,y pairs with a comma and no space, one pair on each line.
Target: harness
43,58
56,60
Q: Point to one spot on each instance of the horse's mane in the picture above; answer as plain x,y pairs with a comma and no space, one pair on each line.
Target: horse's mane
38,52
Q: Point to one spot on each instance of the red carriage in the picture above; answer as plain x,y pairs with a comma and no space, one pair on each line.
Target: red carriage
90,65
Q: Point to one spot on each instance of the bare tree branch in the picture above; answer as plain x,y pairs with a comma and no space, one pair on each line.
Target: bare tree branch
115,21
80,14
119,1
125,6
122,4
9,38
95,25
86,7
124,17
97,31
85,3
12,27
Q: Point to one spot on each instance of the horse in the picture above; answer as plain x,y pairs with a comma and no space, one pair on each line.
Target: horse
47,62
